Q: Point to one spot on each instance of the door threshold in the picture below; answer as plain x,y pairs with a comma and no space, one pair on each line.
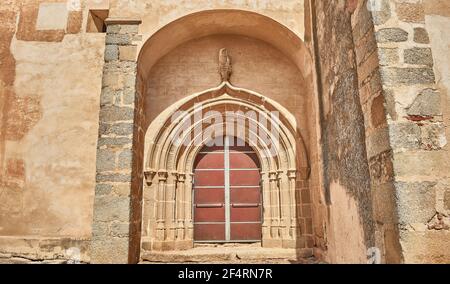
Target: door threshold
256,244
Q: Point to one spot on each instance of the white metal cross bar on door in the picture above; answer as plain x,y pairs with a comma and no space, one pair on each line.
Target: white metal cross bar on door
226,153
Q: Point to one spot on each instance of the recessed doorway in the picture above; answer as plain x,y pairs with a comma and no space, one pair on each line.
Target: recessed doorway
227,196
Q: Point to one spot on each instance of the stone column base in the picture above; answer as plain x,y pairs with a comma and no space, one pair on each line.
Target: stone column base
271,243
156,245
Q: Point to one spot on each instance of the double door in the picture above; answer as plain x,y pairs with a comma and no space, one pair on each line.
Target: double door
227,194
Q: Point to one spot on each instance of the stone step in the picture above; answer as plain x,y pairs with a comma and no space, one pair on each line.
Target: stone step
230,254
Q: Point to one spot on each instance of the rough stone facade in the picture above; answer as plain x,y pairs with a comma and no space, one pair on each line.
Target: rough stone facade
363,84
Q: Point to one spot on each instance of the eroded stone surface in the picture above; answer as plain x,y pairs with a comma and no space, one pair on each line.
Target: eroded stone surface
376,125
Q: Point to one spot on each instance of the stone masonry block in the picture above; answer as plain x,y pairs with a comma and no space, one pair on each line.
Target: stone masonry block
129,96
114,142
119,229
433,136
404,135
421,36
109,250
411,12
427,103
112,208
128,53
388,56
103,189
416,202
113,177
407,76
447,199
392,35
123,129
99,229
421,164
419,56
115,114
363,23
107,96
381,168
377,112
113,29
383,13
377,142
129,29
125,159
105,160
119,39
384,203
111,53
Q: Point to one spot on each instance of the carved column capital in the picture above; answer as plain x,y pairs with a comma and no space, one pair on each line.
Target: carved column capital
181,177
292,174
162,176
149,175
273,176
279,174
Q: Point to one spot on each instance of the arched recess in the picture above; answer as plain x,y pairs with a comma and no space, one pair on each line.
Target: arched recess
283,173
224,21
174,139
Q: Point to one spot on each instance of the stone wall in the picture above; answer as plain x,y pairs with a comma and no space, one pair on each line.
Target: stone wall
119,170
379,161
257,66
414,113
346,188
50,85
379,151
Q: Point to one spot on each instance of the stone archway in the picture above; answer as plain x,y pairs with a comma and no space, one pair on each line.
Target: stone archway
167,219
117,228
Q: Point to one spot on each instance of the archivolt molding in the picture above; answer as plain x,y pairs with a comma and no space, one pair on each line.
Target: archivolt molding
167,222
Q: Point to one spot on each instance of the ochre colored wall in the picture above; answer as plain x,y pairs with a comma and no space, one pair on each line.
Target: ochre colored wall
50,100
50,97
192,68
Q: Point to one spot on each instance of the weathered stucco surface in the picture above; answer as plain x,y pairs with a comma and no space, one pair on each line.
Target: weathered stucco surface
156,14
375,125
49,137
346,171
65,132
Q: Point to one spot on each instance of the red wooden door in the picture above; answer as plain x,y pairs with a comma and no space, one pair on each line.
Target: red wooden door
227,194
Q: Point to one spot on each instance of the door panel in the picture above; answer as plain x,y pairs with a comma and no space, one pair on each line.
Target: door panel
227,195
241,213
246,231
209,213
245,195
209,195
209,232
243,160
210,161
244,178
209,178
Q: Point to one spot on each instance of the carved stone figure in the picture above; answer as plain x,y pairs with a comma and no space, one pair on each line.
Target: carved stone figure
225,68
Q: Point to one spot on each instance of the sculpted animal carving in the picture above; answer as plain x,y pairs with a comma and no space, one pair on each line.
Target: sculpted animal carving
225,68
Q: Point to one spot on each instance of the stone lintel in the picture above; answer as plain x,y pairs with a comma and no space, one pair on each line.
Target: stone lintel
123,21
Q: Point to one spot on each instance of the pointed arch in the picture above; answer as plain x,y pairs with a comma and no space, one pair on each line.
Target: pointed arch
172,142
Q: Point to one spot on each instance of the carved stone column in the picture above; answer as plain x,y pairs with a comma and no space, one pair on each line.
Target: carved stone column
170,209
284,204
160,210
189,225
292,176
180,206
275,207
266,225
150,201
